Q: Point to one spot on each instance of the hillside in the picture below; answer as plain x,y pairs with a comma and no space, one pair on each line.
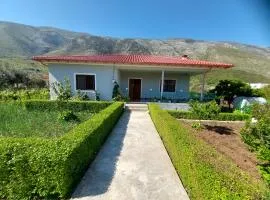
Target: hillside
22,42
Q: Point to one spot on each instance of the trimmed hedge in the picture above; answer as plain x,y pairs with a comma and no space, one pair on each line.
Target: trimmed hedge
50,168
220,116
205,173
76,106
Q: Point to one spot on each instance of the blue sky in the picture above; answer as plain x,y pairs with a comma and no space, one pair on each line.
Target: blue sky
245,21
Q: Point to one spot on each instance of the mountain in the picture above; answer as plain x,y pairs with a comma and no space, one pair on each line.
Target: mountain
21,42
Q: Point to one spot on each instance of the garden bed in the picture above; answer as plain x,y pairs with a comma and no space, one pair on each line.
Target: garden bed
226,139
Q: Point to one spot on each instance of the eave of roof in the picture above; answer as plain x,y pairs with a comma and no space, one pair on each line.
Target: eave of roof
132,60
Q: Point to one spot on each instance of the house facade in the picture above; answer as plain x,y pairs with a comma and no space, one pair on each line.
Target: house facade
138,76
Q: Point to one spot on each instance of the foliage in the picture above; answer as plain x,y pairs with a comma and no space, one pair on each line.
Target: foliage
11,95
80,96
197,125
121,98
116,89
62,89
257,135
117,96
220,116
67,115
205,173
229,89
207,110
36,168
265,92
16,121
11,77
75,106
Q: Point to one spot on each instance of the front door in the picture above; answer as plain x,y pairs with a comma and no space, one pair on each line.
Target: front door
135,89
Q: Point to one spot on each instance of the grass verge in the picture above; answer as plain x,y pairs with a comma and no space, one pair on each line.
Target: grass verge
205,173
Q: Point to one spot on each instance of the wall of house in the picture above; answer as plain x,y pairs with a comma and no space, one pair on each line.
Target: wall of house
151,83
104,77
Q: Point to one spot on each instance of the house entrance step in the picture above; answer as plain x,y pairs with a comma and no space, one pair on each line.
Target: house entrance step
136,107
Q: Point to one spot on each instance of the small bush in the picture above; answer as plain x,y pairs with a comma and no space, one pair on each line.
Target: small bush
68,115
207,110
197,125
80,96
257,135
62,89
220,116
35,168
205,173
76,106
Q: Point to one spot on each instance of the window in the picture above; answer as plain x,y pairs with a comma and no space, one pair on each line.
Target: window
168,86
85,82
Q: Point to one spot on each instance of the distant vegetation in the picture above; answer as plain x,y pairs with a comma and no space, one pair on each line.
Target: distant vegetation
18,73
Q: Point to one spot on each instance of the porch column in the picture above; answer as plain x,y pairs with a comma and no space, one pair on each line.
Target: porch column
162,84
202,85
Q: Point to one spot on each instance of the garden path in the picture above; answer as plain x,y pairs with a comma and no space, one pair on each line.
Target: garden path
132,164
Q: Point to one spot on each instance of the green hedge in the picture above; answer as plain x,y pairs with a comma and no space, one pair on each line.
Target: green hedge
205,173
50,168
11,95
220,116
76,106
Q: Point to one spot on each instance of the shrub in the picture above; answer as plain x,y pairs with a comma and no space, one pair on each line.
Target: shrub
205,173
265,92
233,117
11,95
220,116
257,135
76,106
35,168
207,110
62,89
68,115
80,96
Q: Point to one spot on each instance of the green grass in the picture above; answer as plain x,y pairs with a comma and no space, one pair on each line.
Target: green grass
50,168
205,173
16,121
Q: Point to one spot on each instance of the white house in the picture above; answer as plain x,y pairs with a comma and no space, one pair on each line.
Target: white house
139,76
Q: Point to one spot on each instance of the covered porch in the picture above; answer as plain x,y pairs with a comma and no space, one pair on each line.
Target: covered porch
157,83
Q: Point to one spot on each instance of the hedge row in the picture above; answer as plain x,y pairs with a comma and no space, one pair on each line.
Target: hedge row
220,116
35,168
205,173
76,106
11,95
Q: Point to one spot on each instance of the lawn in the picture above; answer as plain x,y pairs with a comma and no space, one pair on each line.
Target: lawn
16,121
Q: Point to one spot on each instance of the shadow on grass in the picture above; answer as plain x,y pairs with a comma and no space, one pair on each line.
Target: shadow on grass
98,177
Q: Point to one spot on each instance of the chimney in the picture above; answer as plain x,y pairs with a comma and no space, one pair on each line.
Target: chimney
184,57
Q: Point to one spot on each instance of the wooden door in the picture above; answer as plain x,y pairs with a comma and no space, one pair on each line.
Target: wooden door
135,89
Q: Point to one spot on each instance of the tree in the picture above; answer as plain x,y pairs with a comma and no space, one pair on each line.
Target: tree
229,89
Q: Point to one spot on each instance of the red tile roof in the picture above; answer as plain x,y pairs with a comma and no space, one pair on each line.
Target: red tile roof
133,60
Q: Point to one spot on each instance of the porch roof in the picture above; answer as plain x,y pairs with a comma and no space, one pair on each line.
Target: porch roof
132,60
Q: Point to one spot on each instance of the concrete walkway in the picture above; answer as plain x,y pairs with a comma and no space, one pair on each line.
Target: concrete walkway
132,165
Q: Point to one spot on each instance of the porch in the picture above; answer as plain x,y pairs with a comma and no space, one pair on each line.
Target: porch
157,84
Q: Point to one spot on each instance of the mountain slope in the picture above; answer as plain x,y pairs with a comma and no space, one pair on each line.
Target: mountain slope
252,63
